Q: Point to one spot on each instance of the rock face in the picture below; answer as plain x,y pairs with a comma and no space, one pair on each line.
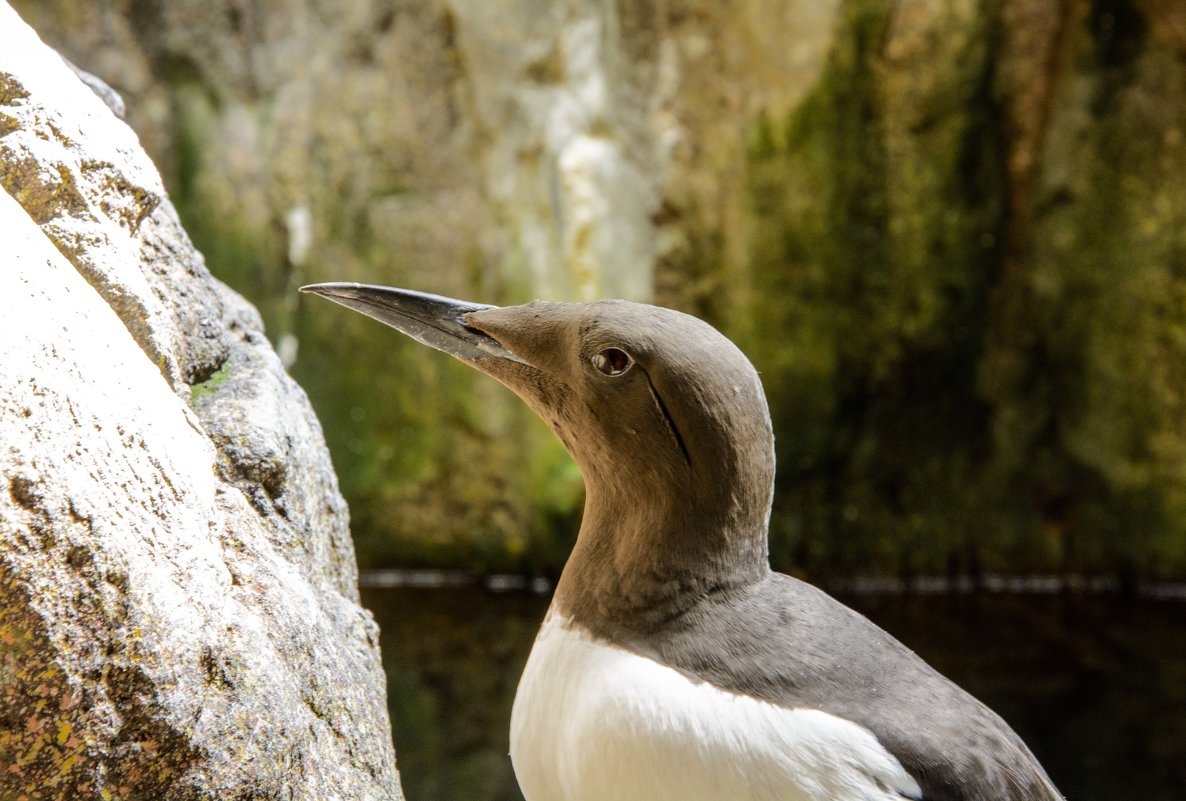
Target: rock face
178,607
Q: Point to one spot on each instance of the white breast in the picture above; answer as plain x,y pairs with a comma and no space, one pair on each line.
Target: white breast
593,722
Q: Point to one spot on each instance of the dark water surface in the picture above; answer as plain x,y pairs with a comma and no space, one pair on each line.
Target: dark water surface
1096,684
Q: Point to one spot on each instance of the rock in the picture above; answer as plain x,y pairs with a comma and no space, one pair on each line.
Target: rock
109,96
178,602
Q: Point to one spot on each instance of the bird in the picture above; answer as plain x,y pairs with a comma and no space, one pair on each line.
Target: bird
673,663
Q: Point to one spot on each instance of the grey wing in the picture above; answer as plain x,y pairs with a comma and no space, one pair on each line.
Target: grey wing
956,748
792,644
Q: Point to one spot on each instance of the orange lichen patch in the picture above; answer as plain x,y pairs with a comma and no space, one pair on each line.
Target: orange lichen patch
40,708
44,193
57,740
11,90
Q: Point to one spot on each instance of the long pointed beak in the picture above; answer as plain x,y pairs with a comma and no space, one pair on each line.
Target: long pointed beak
432,320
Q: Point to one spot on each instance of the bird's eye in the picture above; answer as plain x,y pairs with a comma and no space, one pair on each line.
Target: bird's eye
612,361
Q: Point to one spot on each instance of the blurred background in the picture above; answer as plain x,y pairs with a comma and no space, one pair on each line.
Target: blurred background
950,235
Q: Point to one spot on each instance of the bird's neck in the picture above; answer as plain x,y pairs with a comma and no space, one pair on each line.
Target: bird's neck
647,554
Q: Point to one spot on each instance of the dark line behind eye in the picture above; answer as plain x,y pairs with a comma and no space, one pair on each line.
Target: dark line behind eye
668,419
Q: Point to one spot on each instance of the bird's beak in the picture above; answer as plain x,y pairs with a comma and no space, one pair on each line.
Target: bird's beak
432,320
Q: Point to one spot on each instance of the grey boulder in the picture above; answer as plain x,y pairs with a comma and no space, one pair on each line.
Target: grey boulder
179,615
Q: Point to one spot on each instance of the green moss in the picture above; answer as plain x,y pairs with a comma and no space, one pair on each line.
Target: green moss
1092,420
874,242
211,384
965,375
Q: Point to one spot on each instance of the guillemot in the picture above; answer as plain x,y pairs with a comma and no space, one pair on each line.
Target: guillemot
673,663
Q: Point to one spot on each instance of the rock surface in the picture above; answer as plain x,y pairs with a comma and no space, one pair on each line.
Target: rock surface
178,604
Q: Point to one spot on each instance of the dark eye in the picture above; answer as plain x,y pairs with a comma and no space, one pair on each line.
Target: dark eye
612,361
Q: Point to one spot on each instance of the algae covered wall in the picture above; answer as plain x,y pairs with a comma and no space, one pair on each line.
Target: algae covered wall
948,234
969,240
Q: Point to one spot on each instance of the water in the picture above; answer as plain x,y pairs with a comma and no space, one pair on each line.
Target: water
1096,683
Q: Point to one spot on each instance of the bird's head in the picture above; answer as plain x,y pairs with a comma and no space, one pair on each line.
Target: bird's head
664,415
